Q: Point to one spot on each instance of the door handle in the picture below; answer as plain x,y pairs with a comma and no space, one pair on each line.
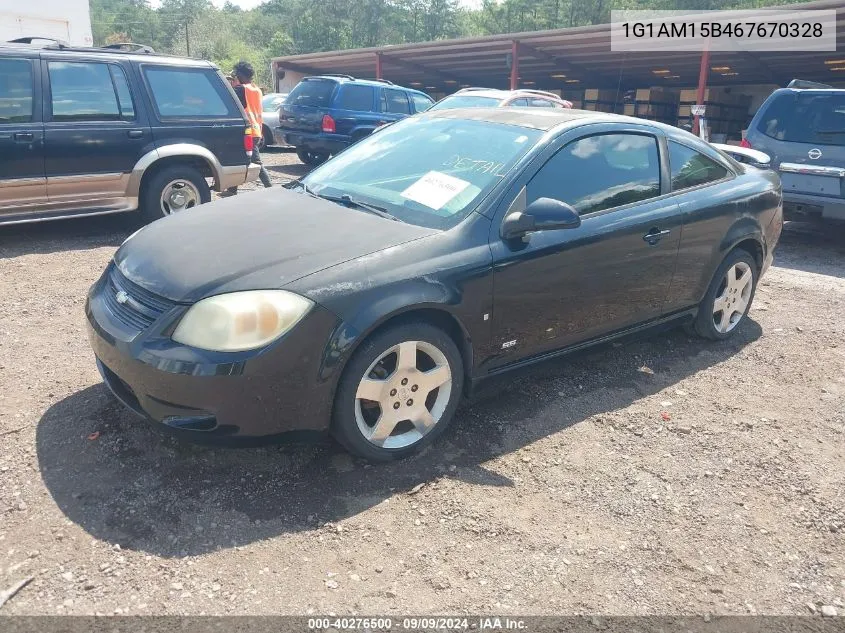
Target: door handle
24,137
135,133
655,235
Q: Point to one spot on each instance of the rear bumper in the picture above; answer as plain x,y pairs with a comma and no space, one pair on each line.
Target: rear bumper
236,175
328,143
805,205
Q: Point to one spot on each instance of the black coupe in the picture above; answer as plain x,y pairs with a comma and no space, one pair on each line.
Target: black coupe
367,297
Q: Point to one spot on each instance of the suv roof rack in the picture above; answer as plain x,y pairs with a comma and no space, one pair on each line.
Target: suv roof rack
473,88
803,83
129,47
384,81
342,76
31,39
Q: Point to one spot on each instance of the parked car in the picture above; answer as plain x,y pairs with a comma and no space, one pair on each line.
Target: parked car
324,115
802,129
270,105
450,247
88,131
490,98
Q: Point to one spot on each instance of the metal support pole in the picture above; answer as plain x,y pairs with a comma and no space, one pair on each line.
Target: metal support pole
703,72
514,65
378,66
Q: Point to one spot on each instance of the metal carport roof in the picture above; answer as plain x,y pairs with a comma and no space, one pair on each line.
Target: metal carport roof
567,59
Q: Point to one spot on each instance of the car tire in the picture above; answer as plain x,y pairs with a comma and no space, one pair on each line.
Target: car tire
268,137
728,298
393,367
310,157
173,189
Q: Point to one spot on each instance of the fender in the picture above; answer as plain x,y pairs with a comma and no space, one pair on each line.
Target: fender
222,175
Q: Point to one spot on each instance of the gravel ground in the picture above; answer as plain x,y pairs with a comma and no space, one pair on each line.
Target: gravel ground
660,475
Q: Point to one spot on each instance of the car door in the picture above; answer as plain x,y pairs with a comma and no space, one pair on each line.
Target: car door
23,185
395,104
93,133
555,289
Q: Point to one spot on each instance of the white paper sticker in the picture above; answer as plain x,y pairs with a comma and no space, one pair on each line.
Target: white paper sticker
435,189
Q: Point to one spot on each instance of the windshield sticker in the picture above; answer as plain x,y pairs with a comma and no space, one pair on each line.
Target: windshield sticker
435,189
464,163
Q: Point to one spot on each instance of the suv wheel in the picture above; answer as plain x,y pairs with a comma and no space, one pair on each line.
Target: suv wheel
310,157
173,189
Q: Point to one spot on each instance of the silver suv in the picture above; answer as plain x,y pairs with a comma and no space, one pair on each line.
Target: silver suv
802,128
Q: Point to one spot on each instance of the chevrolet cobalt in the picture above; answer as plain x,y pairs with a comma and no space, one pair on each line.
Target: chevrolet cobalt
367,297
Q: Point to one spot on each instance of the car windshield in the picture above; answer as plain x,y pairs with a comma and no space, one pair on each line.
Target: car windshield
809,117
466,101
312,92
429,172
272,101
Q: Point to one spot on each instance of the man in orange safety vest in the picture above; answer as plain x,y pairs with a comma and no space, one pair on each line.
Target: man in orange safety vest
250,97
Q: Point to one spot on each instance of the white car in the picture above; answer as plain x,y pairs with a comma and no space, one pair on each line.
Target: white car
270,106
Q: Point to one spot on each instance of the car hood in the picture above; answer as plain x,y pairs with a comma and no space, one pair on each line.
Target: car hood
264,239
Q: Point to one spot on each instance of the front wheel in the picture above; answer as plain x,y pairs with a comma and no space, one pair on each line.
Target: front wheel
728,298
173,189
310,157
398,392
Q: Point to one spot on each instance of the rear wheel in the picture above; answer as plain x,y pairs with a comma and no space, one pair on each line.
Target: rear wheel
311,157
728,298
398,392
173,189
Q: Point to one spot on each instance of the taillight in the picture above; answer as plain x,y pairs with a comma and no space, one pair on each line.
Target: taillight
328,124
744,143
249,143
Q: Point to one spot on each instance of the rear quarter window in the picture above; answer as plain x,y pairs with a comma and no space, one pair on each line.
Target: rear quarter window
314,93
180,93
421,102
805,117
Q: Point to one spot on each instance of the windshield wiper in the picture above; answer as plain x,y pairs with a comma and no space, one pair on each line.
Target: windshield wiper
357,204
299,183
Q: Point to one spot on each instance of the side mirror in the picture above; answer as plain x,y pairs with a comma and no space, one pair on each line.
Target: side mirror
544,214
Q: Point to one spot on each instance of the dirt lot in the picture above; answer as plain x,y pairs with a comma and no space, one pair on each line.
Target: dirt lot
662,475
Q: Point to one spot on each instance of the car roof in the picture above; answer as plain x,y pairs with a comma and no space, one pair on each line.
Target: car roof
48,51
538,118
378,83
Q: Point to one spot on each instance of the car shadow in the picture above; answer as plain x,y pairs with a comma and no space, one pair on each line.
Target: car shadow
812,247
297,170
124,481
66,235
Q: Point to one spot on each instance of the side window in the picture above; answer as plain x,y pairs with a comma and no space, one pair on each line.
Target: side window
124,96
82,91
15,91
541,103
395,101
421,102
519,103
354,97
600,172
690,168
180,93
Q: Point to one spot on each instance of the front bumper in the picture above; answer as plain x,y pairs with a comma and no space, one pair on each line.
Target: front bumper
259,393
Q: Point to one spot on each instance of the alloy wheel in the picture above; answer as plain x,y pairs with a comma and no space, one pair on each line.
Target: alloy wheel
179,195
403,394
733,297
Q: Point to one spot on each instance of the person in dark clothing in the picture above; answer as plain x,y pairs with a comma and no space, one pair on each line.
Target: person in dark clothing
250,98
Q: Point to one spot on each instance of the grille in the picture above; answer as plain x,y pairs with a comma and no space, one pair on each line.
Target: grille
142,307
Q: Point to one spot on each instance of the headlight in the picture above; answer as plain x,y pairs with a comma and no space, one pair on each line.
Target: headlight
240,320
